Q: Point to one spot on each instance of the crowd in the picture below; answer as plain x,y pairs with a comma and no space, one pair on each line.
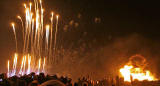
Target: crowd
33,80
48,80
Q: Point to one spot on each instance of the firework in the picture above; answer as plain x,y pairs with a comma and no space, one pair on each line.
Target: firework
39,66
55,40
51,36
29,64
14,30
44,63
8,64
14,65
20,72
24,67
47,38
33,40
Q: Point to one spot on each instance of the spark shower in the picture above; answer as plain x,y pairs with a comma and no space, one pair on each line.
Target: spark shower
39,41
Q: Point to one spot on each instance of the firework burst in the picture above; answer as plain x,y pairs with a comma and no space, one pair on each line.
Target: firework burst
33,40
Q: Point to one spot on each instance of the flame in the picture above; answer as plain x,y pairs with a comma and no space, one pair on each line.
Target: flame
129,72
132,72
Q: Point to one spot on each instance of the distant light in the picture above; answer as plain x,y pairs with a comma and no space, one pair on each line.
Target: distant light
57,16
13,24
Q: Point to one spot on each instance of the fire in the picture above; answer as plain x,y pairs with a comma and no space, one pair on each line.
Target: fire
132,71
129,72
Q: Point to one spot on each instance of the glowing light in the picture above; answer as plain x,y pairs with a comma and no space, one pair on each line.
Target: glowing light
42,10
25,5
8,74
29,64
24,67
20,72
55,40
12,24
135,69
15,65
40,1
39,66
47,33
44,63
57,17
19,17
126,72
130,73
52,13
30,4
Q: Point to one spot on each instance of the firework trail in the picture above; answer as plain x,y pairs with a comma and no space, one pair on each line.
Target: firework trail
32,36
44,63
14,65
24,66
8,65
39,66
14,30
19,17
29,64
20,72
51,37
55,40
47,38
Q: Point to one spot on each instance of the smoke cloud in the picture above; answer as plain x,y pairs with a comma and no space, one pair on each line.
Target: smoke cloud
106,60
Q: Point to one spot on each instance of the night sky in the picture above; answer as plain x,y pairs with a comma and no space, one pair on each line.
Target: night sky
96,23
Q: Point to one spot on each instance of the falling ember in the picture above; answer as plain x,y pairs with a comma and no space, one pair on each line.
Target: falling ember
132,71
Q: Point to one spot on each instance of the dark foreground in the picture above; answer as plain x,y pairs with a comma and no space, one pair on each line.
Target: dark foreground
47,80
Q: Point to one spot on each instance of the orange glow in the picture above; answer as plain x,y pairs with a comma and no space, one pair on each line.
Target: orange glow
136,73
12,24
52,13
134,70
19,17
57,16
